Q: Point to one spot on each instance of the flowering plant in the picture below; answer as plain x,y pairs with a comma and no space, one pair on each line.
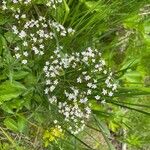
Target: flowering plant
66,69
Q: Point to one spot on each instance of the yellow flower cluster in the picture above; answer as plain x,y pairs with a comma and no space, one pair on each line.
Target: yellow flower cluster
51,135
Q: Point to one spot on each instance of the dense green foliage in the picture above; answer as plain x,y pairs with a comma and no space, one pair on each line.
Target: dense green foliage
120,30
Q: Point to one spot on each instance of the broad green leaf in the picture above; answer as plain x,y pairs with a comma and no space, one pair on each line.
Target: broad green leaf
11,124
13,106
7,108
10,90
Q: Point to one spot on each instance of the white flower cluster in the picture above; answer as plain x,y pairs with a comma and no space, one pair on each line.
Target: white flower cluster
5,3
49,3
53,3
72,80
34,34
74,115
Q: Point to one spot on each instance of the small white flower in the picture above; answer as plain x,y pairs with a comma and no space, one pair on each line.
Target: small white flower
104,92
41,53
48,82
22,34
17,55
24,61
114,87
79,80
110,94
89,92
103,102
55,121
23,16
70,30
97,97
16,48
41,46
25,53
17,16
56,82
87,78
84,72
94,86
15,30
89,85
83,100
105,71
25,43
52,88
47,63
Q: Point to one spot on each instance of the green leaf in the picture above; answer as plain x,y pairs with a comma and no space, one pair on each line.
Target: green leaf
11,124
13,106
10,90
67,10
20,75
133,76
3,43
3,19
22,124
104,130
7,108
96,6
113,126
11,37
132,21
39,117
27,100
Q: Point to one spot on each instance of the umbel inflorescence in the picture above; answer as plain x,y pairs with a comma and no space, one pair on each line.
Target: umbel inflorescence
72,80
49,3
35,33
36,36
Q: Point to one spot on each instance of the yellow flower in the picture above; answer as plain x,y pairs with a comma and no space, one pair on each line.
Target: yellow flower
52,135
